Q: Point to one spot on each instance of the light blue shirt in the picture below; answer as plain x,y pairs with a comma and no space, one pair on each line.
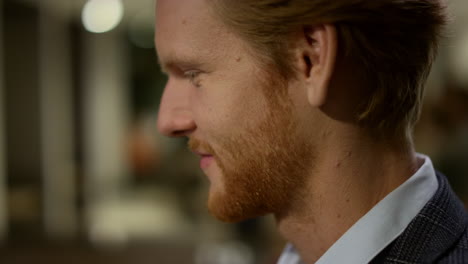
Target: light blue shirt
381,225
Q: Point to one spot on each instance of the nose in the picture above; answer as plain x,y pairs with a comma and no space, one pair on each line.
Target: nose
175,118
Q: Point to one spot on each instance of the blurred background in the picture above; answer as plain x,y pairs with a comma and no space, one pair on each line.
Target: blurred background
86,178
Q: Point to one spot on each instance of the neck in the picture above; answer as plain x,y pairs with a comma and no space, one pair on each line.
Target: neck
347,180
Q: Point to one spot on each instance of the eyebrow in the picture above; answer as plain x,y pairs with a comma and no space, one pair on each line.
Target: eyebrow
175,62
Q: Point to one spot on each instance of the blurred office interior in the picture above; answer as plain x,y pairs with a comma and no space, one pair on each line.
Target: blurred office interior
86,178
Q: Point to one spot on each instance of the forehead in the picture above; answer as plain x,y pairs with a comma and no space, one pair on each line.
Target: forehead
187,29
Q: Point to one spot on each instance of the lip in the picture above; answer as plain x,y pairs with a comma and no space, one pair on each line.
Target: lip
206,161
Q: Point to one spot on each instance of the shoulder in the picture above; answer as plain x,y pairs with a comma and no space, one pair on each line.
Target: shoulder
438,234
458,253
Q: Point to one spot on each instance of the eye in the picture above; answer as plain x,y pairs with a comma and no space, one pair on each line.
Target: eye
192,76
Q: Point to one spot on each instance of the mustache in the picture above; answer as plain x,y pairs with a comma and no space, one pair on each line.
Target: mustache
196,145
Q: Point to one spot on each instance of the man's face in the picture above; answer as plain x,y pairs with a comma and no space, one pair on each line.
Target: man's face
239,119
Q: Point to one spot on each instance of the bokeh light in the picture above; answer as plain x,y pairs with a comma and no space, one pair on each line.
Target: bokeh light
101,16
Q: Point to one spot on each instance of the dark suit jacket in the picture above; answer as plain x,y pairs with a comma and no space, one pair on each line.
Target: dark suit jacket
438,234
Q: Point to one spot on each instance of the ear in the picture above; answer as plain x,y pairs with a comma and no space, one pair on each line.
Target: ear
317,50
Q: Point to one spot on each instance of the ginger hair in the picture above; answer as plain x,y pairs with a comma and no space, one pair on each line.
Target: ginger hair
393,43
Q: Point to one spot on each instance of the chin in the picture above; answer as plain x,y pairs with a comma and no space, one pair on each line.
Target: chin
231,209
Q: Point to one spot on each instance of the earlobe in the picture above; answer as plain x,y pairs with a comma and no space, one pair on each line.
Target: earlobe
318,61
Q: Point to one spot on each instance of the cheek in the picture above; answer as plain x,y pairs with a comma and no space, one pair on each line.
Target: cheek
228,110
211,114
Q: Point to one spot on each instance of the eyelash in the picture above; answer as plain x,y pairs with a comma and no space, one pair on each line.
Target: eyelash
191,76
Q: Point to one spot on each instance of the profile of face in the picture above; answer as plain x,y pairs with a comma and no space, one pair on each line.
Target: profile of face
239,118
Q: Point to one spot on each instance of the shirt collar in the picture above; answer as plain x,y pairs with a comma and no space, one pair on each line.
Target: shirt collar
381,225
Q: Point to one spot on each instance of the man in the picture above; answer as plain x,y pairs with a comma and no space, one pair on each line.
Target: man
303,109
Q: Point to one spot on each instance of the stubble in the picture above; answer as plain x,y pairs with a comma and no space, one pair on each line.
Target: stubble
264,167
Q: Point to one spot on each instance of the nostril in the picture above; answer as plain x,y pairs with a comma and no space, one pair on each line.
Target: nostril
176,123
176,127
179,133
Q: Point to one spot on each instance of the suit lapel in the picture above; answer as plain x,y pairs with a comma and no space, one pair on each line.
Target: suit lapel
432,232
